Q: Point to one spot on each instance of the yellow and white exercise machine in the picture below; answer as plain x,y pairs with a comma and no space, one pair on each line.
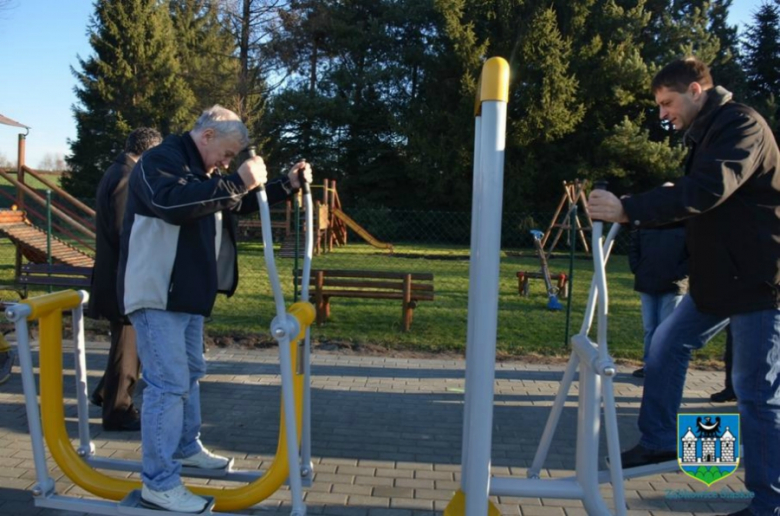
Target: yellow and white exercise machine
596,368
292,463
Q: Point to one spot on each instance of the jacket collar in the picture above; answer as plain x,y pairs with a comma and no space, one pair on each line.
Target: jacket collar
716,97
194,159
124,159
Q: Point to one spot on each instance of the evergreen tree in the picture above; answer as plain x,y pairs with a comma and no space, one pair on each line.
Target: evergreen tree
762,63
133,79
550,107
206,53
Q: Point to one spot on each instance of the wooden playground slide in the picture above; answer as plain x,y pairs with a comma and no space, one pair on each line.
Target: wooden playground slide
357,228
32,241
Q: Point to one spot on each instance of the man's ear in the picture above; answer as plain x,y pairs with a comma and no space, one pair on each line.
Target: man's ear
207,135
696,90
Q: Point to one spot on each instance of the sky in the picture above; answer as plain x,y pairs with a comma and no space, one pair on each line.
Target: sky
40,40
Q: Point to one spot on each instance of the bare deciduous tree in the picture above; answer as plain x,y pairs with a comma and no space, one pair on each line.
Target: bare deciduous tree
52,161
4,161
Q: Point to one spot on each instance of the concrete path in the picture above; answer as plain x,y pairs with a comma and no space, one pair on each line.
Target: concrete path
387,434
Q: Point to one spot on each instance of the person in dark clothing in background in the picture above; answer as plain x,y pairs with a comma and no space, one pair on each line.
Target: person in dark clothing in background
114,393
659,262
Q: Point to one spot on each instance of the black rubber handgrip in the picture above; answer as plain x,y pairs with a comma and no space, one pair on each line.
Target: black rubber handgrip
252,151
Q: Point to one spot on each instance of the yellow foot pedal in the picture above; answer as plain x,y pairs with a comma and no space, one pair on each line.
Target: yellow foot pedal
457,506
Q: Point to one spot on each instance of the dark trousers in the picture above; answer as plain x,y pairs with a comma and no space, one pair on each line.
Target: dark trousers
122,370
728,358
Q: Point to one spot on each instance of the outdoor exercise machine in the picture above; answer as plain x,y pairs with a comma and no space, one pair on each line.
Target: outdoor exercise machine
292,462
552,291
591,359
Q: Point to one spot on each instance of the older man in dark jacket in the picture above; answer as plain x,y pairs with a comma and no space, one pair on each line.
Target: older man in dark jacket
115,390
178,251
730,198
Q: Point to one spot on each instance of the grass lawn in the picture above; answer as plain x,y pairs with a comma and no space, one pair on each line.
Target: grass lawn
525,326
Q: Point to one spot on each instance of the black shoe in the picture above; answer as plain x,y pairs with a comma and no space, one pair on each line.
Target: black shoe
639,373
96,399
129,421
641,456
724,396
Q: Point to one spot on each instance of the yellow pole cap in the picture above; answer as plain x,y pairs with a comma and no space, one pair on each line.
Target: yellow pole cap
494,83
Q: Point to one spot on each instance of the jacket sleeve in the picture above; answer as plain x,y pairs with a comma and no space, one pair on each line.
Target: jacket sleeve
275,190
717,171
178,198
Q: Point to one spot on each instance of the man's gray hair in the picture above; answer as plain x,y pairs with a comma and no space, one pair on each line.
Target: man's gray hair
224,123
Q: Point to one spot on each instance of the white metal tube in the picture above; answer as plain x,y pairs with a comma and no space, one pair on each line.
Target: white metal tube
613,445
285,362
485,307
86,447
590,307
468,398
18,315
600,278
554,417
268,251
306,462
588,424
281,331
559,488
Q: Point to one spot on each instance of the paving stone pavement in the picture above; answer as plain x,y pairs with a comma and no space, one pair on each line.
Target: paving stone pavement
386,434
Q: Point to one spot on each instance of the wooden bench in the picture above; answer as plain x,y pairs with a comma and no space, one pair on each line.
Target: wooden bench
409,287
561,278
54,275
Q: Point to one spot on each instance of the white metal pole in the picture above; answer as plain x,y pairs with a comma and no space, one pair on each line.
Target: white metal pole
18,315
307,467
282,330
86,447
473,268
485,313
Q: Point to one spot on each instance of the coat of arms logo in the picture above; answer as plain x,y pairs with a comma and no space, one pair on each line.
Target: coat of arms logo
708,445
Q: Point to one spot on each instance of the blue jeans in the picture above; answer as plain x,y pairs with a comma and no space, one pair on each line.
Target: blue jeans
170,346
656,308
756,376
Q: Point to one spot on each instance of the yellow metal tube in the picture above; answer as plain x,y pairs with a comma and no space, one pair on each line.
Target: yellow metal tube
57,301
49,311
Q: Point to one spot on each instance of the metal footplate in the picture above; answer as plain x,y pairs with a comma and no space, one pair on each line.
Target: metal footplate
133,506
187,471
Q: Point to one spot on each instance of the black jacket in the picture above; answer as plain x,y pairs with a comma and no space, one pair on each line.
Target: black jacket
659,260
730,197
110,198
168,258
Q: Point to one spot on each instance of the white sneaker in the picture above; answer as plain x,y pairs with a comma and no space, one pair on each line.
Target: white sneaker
204,459
178,499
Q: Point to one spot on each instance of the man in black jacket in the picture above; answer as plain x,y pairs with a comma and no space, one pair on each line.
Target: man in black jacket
178,251
659,261
115,390
730,199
